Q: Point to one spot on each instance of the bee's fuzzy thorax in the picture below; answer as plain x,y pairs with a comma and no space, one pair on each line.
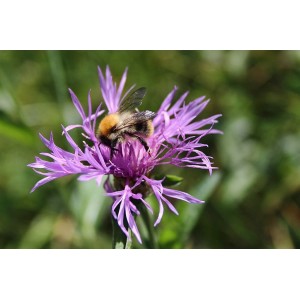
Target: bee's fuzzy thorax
108,123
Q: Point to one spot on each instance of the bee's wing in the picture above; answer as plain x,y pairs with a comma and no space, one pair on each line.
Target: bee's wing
138,117
133,100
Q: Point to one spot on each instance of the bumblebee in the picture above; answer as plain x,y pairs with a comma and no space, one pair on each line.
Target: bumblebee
127,122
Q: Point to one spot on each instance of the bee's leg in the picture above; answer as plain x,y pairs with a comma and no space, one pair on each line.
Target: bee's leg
113,149
141,140
144,143
112,152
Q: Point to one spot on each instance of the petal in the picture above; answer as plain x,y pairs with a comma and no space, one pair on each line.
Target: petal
70,127
70,140
122,84
161,207
42,182
132,224
167,102
181,195
170,205
77,105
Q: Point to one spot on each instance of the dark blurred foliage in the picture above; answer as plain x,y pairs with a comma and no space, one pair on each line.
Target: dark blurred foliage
252,201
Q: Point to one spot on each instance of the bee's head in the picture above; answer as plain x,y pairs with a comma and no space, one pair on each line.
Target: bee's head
111,144
105,140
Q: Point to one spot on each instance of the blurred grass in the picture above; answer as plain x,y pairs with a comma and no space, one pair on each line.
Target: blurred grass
252,201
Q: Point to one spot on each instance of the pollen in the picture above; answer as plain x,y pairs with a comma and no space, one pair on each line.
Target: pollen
108,123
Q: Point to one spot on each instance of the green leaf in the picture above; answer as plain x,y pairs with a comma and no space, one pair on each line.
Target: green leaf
169,180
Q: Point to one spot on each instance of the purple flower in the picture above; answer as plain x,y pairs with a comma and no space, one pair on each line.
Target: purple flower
176,140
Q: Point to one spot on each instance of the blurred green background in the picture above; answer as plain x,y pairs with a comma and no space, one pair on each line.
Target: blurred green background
252,201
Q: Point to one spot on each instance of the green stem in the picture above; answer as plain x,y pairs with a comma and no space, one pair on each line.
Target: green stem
120,240
147,221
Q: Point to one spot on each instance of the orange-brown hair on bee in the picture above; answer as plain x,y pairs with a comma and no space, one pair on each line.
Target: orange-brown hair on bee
108,122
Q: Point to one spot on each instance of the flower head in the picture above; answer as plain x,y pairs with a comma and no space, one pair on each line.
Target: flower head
176,140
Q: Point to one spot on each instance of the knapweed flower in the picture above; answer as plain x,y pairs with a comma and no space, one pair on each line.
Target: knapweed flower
129,172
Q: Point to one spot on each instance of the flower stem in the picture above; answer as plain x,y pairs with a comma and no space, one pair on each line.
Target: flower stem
120,240
147,221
